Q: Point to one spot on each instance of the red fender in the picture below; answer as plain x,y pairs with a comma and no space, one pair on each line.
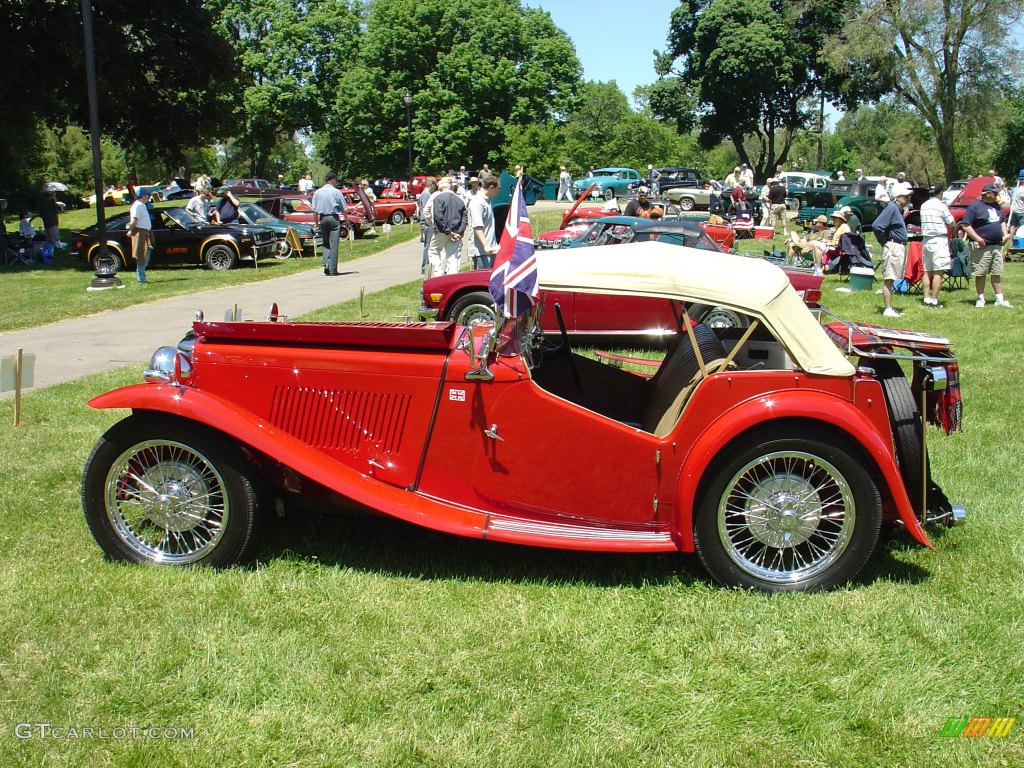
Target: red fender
810,405
226,417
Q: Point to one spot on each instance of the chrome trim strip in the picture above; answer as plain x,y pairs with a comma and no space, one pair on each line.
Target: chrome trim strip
575,531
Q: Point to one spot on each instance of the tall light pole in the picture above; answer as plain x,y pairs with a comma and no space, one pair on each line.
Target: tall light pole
408,127
106,268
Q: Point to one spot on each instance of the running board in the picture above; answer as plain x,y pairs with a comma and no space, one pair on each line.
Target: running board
568,536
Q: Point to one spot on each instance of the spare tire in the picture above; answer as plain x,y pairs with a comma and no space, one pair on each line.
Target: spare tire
905,418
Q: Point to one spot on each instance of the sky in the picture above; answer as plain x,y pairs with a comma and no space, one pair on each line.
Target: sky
614,39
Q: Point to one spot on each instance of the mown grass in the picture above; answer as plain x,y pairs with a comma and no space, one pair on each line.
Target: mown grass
38,294
366,642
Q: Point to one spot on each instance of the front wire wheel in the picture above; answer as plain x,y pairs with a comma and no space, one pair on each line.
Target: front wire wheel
789,514
168,493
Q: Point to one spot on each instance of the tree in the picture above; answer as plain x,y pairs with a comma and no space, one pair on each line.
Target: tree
473,67
744,68
159,65
940,57
291,58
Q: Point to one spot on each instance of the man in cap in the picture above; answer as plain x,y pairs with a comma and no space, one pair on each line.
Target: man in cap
986,230
935,219
641,206
891,232
564,185
841,224
860,174
733,178
329,207
140,228
777,203
813,245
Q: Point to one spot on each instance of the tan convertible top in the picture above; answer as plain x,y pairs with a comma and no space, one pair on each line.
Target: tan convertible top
750,285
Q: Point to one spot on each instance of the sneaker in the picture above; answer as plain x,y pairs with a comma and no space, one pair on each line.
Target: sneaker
980,302
817,272
1003,303
890,312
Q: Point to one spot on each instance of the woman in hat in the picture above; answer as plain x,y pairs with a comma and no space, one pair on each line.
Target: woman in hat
813,245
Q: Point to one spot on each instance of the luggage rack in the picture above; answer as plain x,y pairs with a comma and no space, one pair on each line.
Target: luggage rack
871,341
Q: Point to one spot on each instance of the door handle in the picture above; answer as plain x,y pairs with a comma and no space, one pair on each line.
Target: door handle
492,432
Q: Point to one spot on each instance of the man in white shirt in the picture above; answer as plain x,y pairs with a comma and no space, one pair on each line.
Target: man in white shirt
935,219
140,228
747,176
484,244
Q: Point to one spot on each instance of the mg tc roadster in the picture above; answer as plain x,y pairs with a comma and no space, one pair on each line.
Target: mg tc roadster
776,451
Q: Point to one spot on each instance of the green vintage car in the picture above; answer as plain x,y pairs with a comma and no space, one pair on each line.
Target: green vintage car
250,213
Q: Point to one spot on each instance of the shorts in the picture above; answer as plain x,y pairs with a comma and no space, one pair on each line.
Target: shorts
986,260
935,254
894,260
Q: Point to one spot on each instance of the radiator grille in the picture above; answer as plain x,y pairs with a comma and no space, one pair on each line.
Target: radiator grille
341,419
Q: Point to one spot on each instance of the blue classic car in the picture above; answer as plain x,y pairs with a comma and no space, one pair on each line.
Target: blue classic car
611,182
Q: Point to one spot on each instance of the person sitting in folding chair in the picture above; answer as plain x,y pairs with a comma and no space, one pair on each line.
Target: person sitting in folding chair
812,246
831,258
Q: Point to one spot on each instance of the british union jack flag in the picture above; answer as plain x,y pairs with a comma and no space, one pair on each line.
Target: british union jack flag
513,284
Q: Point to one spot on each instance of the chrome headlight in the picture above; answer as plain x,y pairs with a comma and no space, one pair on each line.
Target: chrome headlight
168,366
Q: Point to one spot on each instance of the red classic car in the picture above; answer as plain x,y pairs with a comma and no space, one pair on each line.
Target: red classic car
766,450
393,210
297,208
463,296
970,193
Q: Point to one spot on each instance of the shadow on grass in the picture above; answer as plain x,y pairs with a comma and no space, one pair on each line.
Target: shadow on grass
385,545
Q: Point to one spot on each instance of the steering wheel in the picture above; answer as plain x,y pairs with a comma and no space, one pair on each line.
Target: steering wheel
566,349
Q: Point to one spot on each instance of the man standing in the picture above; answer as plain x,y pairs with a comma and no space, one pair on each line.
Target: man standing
50,215
426,228
140,229
860,174
481,220
733,178
653,179
891,232
986,230
777,201
329,205
227,207
747,176
935,218
564,185
448,214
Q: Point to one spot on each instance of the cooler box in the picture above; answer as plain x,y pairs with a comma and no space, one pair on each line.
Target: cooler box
861,278
1018,243
764,233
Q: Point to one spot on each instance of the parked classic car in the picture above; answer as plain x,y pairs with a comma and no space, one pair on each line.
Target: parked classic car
673,177
610,182
250,213
297,208
463,297
250,187
689,198
176,238
767,452
953,190
392,210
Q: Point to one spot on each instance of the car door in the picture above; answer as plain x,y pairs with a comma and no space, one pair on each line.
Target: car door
508,446
171,241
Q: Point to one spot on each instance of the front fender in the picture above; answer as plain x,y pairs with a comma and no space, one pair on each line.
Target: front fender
804,405
245,427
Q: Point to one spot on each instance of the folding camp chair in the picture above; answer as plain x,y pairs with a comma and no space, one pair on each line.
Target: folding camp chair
852,252
960,270
15,253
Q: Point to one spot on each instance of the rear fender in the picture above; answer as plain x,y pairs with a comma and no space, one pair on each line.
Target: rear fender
245,427
806,406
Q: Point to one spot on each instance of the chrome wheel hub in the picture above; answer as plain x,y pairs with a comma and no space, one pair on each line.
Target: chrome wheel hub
167,502
786,516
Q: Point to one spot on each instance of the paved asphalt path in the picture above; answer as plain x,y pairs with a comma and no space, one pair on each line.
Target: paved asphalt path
82,346
77,347
71,349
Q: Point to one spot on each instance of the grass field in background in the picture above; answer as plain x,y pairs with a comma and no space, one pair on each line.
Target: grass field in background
368,642
38,294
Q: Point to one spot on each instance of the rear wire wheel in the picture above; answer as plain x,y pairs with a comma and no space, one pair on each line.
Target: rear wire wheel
796,511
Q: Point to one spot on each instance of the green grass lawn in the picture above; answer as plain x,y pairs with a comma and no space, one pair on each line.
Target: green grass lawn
38,294
366,642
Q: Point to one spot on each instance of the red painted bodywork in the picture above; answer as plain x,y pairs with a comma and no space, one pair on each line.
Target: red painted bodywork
384,416
968,195
383,207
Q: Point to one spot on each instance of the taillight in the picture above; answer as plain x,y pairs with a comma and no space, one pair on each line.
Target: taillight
812,296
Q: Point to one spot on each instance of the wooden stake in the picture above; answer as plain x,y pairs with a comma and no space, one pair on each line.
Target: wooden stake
17,388
362,296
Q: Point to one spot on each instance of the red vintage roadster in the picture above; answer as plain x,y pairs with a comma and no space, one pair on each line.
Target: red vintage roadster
764,449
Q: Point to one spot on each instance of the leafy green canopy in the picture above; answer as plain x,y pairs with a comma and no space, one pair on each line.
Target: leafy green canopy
473,68
746,68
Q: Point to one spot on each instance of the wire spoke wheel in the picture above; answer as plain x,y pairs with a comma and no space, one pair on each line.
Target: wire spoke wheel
787,517
167,502
792,511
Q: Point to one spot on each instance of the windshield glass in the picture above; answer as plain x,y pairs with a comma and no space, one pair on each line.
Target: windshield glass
176,217
257,215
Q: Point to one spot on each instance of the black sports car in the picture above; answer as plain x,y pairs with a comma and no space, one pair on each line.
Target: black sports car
178,238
